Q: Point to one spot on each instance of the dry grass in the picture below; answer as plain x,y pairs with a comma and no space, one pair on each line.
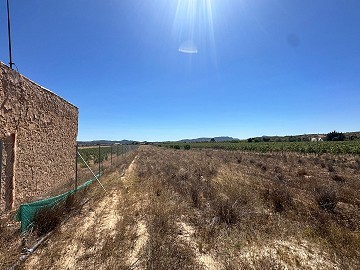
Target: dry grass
211,209
163,250
10,240
239,200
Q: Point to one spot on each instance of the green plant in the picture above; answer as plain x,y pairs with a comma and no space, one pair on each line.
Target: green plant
332,147
335,136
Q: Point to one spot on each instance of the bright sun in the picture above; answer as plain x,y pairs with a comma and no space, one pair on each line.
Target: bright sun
193,24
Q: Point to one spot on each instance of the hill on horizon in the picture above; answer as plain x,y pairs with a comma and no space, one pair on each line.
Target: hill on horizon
206,139
105,142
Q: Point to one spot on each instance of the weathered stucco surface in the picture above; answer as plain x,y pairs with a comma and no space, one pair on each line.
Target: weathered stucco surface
44,127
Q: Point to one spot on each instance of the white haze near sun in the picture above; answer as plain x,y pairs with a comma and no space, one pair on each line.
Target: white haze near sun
193,25
188,46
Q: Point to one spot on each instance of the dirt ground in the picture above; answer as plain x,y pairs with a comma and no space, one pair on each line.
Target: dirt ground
86,240
87,234
211,210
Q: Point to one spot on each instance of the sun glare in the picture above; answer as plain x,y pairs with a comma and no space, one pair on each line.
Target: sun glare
188,47
193,25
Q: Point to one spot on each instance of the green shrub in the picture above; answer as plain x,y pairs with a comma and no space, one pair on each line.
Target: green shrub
335,136
187,147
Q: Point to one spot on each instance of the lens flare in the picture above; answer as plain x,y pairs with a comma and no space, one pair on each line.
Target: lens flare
193,26
188,47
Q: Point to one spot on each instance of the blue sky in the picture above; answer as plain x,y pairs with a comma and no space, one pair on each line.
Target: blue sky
262,67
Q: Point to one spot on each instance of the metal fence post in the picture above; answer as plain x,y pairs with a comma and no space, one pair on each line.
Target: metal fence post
76,166
117,155
99,161
111,155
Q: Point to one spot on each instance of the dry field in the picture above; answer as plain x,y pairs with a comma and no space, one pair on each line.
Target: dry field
214,209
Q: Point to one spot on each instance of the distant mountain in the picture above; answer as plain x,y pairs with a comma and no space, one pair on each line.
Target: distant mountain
105,142
217,139
355,135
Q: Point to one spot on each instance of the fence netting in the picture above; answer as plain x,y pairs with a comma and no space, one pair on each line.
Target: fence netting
27,211
90,164
99,158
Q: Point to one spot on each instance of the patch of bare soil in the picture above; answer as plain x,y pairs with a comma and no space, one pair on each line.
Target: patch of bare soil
88,233
289,254
82,242
186,234
101,223
142,236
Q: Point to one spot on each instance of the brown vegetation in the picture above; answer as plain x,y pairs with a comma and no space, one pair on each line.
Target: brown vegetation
261,211
212,209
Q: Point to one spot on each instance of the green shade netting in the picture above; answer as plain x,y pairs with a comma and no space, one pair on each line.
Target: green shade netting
26,212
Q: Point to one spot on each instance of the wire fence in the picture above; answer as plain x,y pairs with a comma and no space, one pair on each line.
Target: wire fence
88,161
97,159
92,161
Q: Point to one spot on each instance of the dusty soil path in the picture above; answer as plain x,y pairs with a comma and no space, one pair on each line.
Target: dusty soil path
133,256
83,241
112,232
205,259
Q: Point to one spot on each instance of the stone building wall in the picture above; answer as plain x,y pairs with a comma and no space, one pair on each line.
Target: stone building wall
38,130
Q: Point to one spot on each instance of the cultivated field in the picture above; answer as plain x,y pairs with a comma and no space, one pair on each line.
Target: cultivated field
215,209
329,147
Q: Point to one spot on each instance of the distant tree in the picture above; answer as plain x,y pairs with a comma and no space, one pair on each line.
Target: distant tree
250,139
292,139
335,136
212,140
266,139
